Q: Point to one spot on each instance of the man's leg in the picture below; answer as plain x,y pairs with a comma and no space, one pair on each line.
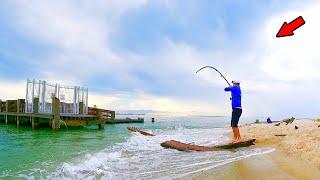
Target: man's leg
234,135
233,126
238,136
237,132
236,113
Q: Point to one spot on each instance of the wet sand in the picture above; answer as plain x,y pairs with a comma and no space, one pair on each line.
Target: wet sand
275,165
297,154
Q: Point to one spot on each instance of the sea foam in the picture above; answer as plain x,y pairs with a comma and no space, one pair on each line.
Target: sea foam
142,157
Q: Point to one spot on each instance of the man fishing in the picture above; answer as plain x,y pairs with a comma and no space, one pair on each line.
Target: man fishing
236,109
236,104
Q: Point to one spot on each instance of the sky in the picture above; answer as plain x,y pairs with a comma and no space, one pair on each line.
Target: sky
143,54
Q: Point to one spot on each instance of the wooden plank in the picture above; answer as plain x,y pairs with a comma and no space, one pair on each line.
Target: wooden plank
189,147
133,129
35,105
55,113
237,145
11,105
81,108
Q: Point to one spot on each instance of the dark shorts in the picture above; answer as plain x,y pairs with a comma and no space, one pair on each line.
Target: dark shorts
236,113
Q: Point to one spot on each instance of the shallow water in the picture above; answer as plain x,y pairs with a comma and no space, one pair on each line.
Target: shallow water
115,153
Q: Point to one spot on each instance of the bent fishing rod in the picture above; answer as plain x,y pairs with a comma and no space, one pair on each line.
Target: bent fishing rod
215,70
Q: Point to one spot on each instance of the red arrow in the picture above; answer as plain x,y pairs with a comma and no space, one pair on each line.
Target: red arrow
287,29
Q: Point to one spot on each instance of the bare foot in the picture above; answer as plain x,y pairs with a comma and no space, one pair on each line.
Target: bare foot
234,141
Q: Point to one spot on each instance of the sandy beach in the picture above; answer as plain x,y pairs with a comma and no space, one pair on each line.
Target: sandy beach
297,154
302,143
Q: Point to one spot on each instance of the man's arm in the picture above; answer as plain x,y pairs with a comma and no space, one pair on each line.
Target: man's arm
228,88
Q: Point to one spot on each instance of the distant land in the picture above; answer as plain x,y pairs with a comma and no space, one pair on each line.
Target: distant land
135,112
145,112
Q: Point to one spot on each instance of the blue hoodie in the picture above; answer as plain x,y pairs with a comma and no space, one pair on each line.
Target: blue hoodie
235,96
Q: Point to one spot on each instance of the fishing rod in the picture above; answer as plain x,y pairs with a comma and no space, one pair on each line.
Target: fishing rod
215,70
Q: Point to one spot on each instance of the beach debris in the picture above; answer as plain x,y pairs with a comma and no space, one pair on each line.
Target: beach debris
134,129
319,126
287,121
188,147
280,135
296,127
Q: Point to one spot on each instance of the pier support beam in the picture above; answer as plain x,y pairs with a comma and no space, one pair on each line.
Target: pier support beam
100,118
6,119
18,122
33,123
35,111
55,113
101,125
113,116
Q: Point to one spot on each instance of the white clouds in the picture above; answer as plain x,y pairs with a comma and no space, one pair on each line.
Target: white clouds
78,34
12,89
296,57
143,101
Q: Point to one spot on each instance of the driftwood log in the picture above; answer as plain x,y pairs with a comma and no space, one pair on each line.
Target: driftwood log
188,147
280,135
287,121
133,129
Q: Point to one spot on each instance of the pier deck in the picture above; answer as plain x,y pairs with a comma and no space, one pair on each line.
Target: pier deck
13,112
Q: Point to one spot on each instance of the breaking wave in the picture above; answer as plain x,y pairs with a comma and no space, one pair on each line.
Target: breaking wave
142,157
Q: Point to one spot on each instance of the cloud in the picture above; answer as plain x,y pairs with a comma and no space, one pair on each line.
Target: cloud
277,75
143,101
293,58
77,34
12,89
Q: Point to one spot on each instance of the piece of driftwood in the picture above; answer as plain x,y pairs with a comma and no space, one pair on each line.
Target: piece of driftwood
188,147
134,129
287,121
280,135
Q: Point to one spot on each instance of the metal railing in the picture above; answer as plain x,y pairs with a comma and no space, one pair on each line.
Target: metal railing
71,98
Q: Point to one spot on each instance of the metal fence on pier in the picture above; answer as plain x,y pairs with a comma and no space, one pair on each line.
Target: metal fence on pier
72,99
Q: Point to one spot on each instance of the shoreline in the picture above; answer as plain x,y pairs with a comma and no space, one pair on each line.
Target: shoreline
297,154
274,165
302,144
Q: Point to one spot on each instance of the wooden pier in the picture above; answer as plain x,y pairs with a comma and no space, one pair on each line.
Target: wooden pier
13,112
126,120
42,107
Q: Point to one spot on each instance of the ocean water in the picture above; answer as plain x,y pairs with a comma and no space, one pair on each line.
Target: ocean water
116,153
